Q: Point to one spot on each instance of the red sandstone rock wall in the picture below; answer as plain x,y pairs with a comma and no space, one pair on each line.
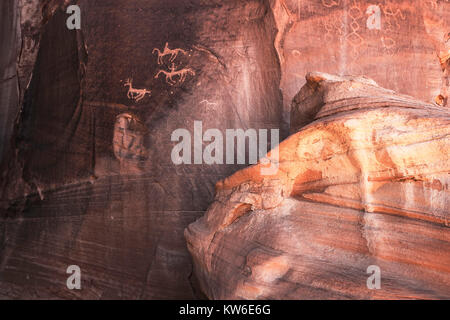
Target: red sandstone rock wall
91,181
365,183
401,52
76,190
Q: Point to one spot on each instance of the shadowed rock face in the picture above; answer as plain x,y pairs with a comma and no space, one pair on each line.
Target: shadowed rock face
9,95
91,181
21,22
364,183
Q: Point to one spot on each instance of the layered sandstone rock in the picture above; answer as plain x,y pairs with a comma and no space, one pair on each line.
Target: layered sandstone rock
363,181
398,43
21,22
90,180
88,177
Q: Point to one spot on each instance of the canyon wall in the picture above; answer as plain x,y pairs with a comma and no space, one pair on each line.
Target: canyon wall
91,181
364,186
402,45
86,119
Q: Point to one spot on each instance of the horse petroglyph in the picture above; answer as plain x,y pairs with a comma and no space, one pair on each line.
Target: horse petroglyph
182,74
135,94
173,53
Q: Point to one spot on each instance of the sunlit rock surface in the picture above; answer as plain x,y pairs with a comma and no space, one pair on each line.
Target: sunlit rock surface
401,44
362,181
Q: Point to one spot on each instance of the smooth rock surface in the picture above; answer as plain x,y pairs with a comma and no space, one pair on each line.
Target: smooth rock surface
90,181
365,182
401,44
87,176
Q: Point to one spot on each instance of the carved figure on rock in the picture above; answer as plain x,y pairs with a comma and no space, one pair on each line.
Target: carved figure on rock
173,53
182,74
135,94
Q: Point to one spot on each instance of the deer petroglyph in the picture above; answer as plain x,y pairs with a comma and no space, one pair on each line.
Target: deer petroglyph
135,94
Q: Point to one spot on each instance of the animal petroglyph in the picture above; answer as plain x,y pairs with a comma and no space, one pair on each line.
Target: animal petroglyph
135,94
172,53
209,105
173,73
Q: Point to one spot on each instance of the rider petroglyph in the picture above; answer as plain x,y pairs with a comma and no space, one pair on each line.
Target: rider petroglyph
173,53
182,74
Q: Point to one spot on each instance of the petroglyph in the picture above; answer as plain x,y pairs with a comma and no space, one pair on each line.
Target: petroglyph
208,103
209,106
333,27
392,18
354,38
172,53
173,73
133,93
391,25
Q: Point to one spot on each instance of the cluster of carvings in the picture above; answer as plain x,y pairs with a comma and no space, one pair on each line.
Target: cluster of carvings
173,74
